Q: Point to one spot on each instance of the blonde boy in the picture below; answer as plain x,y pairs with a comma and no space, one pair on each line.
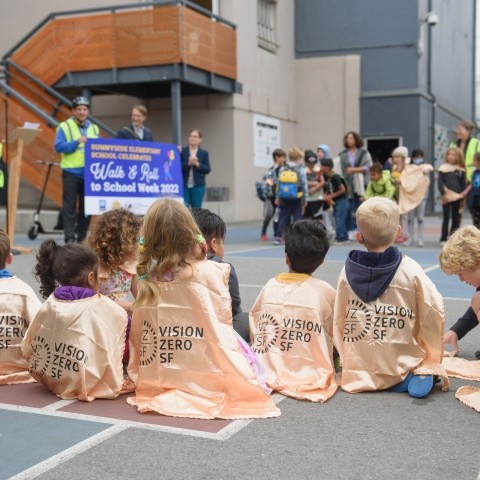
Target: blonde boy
389,316
18,307
461,256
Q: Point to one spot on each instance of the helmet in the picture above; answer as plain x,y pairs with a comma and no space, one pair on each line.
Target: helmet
81,101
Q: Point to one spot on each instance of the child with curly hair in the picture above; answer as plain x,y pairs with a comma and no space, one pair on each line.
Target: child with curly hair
114,238
75,343
184,356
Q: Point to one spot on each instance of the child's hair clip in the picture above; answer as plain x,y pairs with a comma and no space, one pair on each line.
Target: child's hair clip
141,248
203,245
143,276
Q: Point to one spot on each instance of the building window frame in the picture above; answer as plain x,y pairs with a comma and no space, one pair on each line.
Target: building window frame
266,24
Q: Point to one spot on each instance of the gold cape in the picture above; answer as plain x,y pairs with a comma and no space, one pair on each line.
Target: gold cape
380,341
75,347
184,356
291,327
18,307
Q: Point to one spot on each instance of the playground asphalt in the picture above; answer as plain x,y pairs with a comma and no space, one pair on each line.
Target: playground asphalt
377,435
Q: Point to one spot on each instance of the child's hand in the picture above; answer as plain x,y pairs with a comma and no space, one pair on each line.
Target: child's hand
451,338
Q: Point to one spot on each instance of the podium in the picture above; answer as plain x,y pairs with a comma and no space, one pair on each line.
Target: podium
22,136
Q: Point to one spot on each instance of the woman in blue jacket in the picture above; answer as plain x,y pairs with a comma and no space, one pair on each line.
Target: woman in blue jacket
195,165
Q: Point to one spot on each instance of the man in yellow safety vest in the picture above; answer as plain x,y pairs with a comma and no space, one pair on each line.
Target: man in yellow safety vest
72,135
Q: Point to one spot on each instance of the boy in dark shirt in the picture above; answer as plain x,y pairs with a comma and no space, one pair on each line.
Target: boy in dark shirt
336,194
214,231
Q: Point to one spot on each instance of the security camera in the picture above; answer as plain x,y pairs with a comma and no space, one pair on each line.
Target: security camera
431,18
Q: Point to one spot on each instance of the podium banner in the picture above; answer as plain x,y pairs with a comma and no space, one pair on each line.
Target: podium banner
130,174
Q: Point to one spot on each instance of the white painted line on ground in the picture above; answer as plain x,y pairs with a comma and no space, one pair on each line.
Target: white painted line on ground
430,269
69,453
224,434
57,405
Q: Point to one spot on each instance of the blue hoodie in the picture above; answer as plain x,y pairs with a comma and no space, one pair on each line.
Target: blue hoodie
370,273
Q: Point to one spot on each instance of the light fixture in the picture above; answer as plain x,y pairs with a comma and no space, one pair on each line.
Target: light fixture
431,19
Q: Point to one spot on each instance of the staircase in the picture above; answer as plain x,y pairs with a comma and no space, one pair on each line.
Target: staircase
25,98
135,49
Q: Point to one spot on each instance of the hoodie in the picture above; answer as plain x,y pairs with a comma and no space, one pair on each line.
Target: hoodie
370,273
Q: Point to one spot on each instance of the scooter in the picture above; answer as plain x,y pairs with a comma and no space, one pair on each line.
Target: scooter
37,227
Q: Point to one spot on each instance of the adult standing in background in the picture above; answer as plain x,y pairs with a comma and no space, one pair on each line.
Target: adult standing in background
195,165
72,134
467,144
355,162
137,130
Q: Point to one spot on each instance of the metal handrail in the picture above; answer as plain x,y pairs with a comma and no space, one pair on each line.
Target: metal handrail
44,116
113,9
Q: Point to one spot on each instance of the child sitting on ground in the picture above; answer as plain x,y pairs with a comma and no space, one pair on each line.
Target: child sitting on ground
184,356
214,231
114,237
291,321
461,256
18,307
389,316
75,344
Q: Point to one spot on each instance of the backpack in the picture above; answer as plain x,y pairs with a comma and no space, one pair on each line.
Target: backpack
265,188
289,184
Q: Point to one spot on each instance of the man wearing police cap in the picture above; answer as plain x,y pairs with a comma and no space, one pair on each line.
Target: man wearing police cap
72,135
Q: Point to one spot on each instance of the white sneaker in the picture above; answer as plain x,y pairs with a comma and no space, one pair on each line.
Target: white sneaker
351,235
408,243
420,243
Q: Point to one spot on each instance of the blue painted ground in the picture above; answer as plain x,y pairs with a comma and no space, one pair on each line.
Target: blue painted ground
41,437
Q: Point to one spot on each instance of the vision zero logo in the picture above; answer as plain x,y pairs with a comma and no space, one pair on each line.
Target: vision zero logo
267,333
41,356
148,347
358,321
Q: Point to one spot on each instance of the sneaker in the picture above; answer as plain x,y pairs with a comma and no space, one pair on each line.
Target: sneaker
277,241
442,243
420,244
341,242
408,243
402,387
263,237
420,386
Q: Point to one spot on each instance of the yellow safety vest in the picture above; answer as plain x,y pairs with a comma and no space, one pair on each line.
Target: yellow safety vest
72,132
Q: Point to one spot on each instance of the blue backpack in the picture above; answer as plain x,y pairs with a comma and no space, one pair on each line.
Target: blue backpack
289,184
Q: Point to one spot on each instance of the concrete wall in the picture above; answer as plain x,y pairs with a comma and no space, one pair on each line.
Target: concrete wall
328,105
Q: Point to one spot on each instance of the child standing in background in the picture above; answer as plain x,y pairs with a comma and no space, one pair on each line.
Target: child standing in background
452,184
314,208
380,184
184,356
292,208
18,307
75,344
414,182
114,238
297,307
399,160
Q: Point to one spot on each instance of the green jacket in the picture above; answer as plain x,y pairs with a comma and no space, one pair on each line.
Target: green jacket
383,187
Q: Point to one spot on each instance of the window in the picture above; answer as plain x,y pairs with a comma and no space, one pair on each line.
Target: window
266,24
